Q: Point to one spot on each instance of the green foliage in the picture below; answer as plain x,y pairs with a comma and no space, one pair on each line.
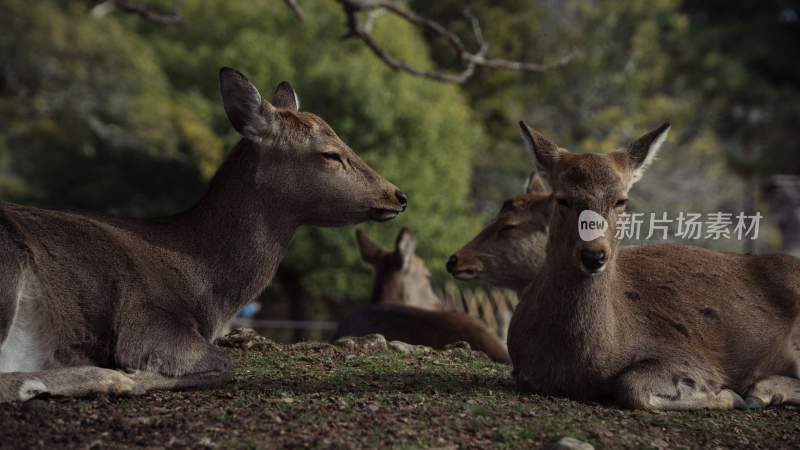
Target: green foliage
748,74
90,121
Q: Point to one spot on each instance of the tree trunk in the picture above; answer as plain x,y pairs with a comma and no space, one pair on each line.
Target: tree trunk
783,193
298,298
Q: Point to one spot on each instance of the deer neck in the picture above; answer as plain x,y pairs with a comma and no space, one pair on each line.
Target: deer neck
397,291
238,235
583,307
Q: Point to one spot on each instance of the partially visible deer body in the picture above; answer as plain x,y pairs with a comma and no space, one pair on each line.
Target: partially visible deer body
654,326
510,251
404,307
81,294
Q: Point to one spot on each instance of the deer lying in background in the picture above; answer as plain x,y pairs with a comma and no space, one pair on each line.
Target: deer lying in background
402,280
401,277
510,251
405,280
655,326
83,293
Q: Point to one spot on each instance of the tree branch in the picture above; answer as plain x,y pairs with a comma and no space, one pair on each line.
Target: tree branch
295,7
147,13
469,59
355,29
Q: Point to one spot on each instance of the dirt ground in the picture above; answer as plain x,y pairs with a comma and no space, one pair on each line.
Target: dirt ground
320,396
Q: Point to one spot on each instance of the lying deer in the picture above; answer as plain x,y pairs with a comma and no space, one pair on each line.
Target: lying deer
85,293
654,326
404,308
510,251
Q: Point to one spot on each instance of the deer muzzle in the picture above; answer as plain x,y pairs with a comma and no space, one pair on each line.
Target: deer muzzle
464,267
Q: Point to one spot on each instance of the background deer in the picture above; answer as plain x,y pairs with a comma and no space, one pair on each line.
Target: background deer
81,292
399,275
507,253
510,251
655,326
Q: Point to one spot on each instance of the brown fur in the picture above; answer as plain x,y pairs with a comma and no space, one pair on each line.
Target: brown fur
423,327
401,277
659,326
151,295
510,251
404,307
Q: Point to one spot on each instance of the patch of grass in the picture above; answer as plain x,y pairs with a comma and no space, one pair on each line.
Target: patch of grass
319,396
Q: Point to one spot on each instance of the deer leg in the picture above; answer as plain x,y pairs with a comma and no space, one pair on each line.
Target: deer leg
66,382
153,381
173,358
774,390
656,385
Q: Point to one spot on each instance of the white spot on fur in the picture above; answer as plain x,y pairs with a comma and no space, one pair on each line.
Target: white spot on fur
21,352
30,389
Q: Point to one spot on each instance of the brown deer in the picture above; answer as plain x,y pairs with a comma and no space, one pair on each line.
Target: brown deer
510,251
401,276
85,293
654,326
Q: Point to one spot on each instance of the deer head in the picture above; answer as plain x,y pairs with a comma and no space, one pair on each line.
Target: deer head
511,249
299,160
401,277
590,191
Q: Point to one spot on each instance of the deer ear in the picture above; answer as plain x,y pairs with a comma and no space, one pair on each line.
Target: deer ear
643,151
246,110
370,251
535,185
405,246
545,153
285,97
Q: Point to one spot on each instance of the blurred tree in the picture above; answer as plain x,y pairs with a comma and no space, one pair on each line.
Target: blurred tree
629,75
748,75
89,119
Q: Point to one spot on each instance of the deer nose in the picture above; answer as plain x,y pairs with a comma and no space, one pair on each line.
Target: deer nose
451,263
402,198
593,260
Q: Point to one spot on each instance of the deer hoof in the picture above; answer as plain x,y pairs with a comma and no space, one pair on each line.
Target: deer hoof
738,401
754,402
30,389
123,386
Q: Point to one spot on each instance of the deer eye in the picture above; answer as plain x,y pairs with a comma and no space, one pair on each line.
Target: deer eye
621,203
562,202
507,227
333,156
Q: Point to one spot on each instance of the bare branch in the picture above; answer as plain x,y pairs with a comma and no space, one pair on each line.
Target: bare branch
356,29
148,13
469,59
295,7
